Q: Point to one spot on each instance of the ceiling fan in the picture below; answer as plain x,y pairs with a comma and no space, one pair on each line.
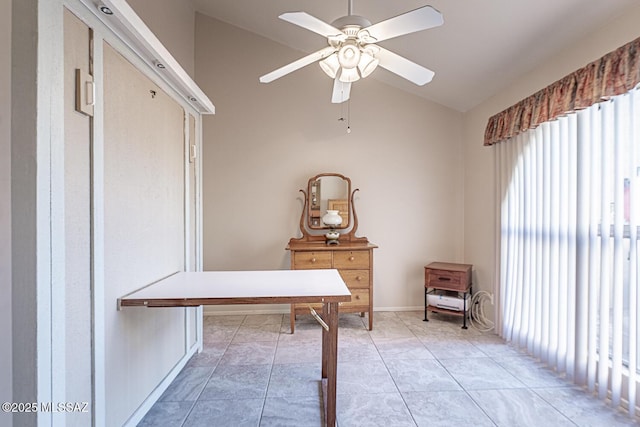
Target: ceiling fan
353,53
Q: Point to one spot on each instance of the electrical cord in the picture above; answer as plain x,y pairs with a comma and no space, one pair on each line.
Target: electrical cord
477,317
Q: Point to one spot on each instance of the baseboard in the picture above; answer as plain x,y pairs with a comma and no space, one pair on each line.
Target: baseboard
234,310
153,397
418,308
238,310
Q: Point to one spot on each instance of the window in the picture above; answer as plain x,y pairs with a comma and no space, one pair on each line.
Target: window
569,217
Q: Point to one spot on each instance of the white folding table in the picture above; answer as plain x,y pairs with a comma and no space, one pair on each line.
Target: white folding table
191,289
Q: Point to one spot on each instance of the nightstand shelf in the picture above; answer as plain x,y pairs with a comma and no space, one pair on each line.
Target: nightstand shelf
454,279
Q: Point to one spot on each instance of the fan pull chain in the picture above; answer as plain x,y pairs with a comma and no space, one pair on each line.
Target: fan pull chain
348,119
349,115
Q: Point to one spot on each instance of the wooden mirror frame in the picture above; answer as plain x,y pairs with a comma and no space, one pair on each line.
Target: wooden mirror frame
344,196
308,236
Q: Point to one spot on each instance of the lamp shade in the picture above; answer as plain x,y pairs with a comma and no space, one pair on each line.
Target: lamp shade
331,218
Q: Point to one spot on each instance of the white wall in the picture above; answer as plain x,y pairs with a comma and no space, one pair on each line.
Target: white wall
266,141
5,207
173,22
479,219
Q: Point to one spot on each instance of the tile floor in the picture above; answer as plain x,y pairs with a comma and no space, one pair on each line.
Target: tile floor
405,372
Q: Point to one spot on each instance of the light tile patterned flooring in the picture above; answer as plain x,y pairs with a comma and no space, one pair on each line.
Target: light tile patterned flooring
405,372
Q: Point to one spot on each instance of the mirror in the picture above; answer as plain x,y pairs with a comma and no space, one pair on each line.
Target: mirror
328,191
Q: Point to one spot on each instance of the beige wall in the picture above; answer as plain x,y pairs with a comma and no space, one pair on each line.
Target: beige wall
172,21
404,154
265,141
5,207
479,220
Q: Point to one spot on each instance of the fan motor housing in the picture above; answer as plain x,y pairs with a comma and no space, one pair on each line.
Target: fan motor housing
351,21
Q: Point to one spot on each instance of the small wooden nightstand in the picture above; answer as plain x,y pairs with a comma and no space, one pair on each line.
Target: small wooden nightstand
454,278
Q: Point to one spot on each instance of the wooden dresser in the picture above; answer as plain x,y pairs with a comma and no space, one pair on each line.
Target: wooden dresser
354,262
318,248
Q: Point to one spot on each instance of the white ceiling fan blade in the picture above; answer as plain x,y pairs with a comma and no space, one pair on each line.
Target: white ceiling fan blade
403,67
417,20
341,91
311,23
296,65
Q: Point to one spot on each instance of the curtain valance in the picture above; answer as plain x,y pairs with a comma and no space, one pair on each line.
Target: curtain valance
615,73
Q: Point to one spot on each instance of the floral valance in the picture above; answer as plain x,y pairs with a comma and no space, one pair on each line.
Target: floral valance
615,73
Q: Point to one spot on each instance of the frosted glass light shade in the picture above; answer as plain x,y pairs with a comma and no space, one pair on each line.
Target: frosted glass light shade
350,63
349,75
349,55
330,65
367,64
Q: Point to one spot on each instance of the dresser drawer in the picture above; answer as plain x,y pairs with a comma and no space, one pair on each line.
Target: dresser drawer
359,298
354,262
355,278
447,279
351,259
309,260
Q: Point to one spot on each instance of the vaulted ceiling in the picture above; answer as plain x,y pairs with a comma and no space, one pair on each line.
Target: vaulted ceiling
483,46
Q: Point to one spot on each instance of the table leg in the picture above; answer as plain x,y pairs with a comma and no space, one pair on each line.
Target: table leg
330,361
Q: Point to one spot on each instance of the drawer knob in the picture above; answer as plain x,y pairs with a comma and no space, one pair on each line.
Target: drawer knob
351,258
444,279
313,260
358,278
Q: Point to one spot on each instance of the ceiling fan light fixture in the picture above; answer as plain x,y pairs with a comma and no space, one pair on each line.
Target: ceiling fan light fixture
349,75
330,65
367,64
352,52
349,55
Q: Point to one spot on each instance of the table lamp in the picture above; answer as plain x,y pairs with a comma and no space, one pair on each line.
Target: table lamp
332,220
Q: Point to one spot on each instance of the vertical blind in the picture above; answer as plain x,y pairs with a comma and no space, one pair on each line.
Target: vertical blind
568,245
